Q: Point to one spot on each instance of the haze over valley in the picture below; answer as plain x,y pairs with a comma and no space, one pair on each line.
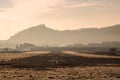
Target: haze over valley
42,35
59,39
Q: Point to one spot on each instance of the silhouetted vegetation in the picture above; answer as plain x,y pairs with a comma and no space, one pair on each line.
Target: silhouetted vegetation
9,50
113,51
25,47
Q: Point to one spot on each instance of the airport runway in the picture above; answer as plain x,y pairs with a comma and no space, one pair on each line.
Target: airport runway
63,59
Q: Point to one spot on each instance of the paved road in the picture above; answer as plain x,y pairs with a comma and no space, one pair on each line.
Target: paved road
62,59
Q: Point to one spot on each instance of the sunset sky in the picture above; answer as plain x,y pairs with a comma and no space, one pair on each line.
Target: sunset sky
16,15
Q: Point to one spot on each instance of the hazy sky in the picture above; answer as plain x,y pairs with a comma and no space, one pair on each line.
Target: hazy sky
16,15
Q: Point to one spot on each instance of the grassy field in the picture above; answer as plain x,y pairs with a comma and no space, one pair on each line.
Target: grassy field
10,56
55,65
72,73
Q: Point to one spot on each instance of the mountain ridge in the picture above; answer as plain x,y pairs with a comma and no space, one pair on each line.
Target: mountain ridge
42,35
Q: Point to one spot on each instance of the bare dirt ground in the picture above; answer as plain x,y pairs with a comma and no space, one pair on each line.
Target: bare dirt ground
56,65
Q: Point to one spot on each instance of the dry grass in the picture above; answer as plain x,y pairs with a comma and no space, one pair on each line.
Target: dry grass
10,56
89,55
76,73
53,72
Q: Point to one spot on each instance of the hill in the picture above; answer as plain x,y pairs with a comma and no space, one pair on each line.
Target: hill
42,35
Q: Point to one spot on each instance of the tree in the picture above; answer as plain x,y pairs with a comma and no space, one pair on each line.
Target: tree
25,47
113,51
